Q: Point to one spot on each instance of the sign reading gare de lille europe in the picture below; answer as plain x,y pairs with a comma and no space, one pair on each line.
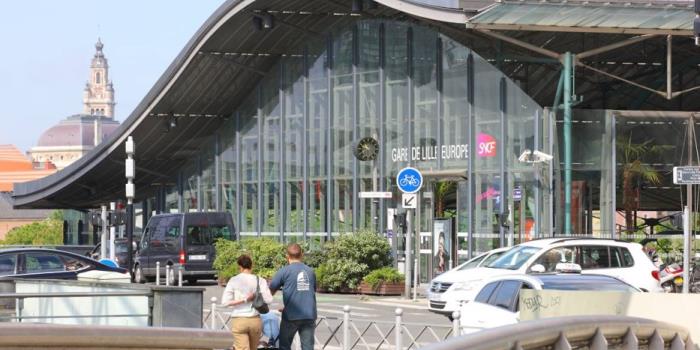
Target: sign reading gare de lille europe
486,147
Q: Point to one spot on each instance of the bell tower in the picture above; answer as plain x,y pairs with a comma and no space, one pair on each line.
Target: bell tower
98,97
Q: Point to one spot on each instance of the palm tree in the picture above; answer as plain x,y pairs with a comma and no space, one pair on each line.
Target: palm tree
634,171
442,190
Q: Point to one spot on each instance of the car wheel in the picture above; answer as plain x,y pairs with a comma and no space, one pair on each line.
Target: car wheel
138,275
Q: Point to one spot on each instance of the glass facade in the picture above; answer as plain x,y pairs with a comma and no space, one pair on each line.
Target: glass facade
284,164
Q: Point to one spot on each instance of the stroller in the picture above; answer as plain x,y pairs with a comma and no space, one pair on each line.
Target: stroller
270,329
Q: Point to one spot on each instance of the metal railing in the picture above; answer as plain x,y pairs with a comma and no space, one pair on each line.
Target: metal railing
43,336
576,332
349,333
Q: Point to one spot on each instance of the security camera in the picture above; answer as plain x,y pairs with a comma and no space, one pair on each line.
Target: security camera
525,156
543,157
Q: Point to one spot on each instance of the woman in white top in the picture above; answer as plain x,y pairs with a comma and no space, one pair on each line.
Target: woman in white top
246,325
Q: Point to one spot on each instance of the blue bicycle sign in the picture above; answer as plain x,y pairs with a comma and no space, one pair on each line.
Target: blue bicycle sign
409,180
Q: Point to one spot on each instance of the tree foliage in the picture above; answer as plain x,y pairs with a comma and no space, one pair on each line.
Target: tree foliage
45,232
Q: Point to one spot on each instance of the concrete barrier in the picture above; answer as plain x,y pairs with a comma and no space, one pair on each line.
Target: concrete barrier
680,309
47,336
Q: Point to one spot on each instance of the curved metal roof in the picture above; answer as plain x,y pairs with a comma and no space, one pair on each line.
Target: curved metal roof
201,87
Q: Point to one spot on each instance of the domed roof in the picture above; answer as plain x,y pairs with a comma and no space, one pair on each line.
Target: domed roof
76,130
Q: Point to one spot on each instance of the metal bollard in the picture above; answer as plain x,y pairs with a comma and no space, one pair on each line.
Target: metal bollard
346,327
179,276
398,328
157,273
455,323
213,312
167,275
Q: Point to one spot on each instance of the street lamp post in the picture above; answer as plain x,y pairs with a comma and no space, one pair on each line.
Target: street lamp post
130,172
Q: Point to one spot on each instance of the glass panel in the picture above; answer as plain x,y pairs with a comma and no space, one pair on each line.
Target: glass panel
190,189
425,132
208,176
271,136
293,83
396,107
171,199
317,139
229,163
487,138
342,132
368,81
249,167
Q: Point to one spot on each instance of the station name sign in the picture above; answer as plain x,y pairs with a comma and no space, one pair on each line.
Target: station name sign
686,175
427,153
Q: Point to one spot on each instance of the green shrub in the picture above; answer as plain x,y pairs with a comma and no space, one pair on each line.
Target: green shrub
337,274
226,254
385,274
364,246
350,258
267,255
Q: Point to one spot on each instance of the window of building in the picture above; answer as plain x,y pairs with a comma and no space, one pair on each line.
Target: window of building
98,78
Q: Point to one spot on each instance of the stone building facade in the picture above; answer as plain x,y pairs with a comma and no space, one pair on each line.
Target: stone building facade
73,137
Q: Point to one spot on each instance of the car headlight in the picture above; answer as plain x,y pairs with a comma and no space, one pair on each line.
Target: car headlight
464,286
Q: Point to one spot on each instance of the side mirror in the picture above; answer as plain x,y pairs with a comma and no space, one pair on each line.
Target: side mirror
537,268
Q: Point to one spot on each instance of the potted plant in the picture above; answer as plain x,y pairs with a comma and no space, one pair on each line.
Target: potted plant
383,281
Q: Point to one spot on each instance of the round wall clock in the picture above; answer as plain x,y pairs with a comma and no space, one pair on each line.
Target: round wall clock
367,149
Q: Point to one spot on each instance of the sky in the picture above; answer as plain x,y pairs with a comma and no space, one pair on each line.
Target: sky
47,46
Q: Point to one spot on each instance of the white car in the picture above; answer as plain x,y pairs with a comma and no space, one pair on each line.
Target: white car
623,260
497,301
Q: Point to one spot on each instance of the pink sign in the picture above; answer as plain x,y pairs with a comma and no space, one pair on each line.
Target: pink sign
486,145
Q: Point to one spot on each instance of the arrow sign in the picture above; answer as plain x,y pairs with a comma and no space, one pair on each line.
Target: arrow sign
409,201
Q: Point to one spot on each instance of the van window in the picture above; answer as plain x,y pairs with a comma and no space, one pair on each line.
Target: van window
172,236
197,235
220,231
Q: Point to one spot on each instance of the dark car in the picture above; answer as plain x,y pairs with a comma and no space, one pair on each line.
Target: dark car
184,241
48,264
121,251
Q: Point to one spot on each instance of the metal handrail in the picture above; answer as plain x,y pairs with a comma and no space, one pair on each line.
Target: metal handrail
16,335
594,332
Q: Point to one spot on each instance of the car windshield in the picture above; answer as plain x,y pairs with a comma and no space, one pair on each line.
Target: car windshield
121,248
514,258
472,263
491,258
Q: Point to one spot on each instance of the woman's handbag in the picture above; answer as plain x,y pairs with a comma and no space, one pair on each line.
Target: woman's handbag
258,301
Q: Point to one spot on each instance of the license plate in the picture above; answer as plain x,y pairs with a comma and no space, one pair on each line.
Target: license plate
435,297
198,257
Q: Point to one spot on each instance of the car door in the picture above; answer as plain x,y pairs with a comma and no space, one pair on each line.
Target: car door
159,248
197,239
495,305
144,254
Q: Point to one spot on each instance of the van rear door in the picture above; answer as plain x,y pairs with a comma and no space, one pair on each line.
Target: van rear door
197,242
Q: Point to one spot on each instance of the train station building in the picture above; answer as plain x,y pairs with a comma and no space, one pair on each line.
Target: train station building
527,119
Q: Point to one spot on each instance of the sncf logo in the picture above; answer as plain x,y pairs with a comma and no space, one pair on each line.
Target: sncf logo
486,145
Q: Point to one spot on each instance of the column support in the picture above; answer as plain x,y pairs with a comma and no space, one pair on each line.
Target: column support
568,79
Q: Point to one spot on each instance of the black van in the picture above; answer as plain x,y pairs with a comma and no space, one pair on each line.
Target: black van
182,240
